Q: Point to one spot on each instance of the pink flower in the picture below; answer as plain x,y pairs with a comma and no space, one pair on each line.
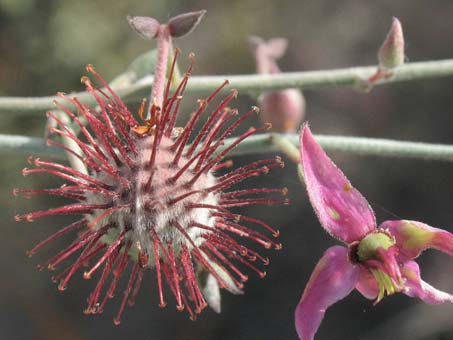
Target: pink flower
376,261
151,200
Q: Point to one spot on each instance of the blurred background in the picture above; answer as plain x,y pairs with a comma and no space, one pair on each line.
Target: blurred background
44,46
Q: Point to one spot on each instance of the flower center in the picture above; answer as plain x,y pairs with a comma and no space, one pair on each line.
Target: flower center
377,252
369,245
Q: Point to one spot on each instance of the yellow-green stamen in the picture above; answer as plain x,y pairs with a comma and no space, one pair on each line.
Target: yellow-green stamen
385,284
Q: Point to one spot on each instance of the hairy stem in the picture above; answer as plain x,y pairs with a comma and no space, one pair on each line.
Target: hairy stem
160,71
265,143
352,77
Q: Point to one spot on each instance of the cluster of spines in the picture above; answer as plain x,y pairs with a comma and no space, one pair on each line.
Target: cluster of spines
111,145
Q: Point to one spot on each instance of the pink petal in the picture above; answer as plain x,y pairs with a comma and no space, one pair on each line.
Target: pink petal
333,278
416,287
413,237
341,209
367,284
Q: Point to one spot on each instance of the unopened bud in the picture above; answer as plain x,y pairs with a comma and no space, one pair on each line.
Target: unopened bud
183,24
267,53
284,109
391,52
146,27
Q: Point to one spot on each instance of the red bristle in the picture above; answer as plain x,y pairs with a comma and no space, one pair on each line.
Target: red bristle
112,248
127,291
212,118
138,283
117,271
58,234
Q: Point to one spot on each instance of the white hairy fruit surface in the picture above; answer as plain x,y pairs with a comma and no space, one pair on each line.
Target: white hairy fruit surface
152,207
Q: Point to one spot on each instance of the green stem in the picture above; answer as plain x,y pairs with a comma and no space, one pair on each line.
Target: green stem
286,146
352,77
263,143
23,145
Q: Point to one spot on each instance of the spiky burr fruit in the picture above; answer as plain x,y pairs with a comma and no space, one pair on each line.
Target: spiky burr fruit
151,198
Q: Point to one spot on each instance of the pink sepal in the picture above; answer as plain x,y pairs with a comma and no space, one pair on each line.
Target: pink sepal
413,237
341,209
333,278
416,287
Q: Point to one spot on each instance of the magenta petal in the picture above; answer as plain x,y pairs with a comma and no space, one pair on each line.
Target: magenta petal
341,209
416,287
367,285
413,237
333,278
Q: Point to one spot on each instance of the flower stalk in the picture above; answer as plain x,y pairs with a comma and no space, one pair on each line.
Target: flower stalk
149,28
163,50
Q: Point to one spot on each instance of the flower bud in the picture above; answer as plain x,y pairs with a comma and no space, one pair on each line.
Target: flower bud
391,52
146,27
267,53
183,24
284,109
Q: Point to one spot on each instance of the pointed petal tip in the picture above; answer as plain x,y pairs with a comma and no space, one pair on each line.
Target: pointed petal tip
341,209
417,288
391,53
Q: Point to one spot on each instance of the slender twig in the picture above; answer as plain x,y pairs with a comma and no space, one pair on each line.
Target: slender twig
263,143
353,76
23,145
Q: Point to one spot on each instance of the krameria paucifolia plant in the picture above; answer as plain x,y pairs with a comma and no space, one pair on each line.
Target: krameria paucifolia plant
154,196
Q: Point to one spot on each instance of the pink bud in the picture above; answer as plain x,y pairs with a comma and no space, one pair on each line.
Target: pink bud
183,24
391,52
267,53
146,27
284,109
